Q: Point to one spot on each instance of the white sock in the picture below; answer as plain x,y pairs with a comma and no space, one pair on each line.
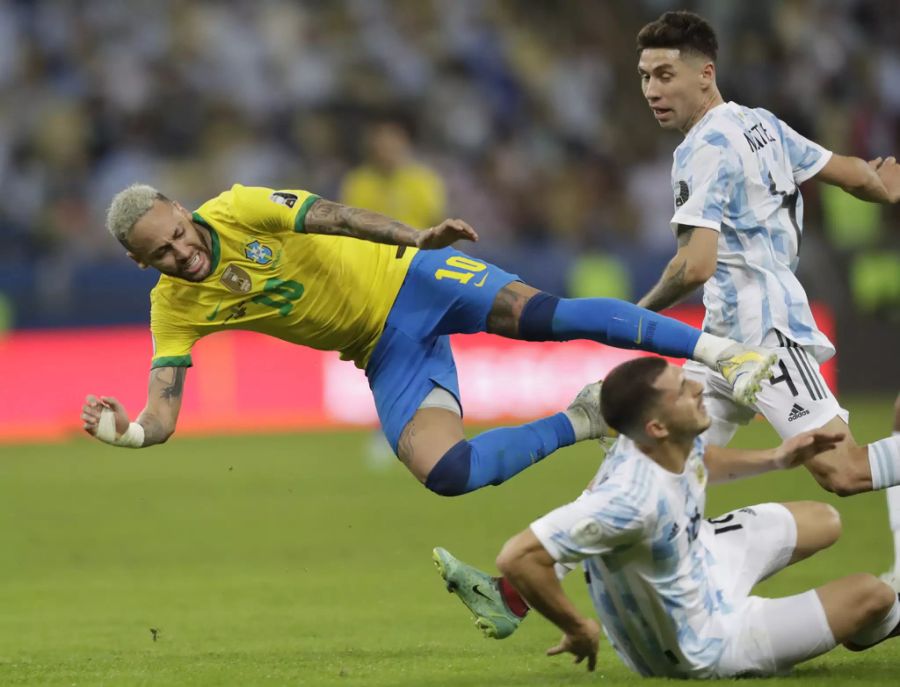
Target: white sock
880,630
581,423
709,349
884,462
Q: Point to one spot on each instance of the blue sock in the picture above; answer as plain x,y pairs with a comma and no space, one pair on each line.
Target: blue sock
496,455
608,321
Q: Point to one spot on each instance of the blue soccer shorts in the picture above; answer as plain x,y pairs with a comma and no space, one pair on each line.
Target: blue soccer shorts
444,292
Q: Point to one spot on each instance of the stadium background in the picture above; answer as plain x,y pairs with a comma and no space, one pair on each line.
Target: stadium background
526,119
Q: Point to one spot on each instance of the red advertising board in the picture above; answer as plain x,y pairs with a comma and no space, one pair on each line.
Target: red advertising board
246,382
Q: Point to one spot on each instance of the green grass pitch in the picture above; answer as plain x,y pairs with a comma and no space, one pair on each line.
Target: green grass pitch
276,560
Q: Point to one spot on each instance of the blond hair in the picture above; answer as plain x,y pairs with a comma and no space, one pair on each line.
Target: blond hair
127,207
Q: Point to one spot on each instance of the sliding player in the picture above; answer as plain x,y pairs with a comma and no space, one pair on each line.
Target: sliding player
671,589
292,265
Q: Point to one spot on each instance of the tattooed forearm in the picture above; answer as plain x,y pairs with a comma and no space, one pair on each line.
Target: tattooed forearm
327,217
674,284
173,380
163,404
670,289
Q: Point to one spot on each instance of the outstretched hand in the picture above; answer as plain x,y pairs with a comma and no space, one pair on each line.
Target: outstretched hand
582,644
888,171
799,449
93,406
445,234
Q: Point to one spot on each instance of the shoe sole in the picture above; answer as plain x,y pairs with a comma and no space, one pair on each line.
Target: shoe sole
764,372
488,628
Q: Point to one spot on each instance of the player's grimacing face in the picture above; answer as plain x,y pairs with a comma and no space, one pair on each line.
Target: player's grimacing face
166,239
681,404
672,84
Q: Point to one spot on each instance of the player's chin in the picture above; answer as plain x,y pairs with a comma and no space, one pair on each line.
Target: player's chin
194,277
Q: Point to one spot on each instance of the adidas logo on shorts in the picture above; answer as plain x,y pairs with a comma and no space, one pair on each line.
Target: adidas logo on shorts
797,412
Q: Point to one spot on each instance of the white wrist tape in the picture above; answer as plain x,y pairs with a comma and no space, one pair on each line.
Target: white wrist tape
133,437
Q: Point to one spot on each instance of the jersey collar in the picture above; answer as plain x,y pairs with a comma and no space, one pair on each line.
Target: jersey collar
214,241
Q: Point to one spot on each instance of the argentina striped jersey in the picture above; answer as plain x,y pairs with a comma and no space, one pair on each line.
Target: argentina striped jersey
737,172
636,530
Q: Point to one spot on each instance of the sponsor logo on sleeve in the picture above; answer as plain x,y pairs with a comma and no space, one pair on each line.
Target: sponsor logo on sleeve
682,195
284,198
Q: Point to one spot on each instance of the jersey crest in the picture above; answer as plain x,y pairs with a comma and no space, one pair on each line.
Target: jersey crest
258,252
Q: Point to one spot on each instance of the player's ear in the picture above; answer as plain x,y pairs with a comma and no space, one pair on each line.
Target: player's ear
655,429
137,260
707,75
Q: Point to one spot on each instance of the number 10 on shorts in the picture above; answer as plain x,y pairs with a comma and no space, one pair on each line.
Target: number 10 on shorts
464,269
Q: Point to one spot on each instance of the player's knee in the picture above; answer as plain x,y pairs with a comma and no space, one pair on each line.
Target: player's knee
829,520
883,598
874,597
450,475
509,555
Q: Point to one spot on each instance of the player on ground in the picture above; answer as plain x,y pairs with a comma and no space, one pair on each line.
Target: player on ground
289,264
738,220
671,589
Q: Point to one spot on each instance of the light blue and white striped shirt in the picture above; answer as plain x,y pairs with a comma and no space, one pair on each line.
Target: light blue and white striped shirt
737,172
636,530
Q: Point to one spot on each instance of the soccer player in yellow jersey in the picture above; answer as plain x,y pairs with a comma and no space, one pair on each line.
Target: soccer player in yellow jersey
313,272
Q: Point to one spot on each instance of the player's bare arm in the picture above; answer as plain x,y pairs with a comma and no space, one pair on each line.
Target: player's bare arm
529,568
694,262
159,417
727,464
877,181
164,395
328,217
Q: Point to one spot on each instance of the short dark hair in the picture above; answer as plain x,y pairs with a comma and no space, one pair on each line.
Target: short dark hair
683,30
628,393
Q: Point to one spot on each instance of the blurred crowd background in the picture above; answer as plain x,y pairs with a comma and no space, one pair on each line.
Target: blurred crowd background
523,117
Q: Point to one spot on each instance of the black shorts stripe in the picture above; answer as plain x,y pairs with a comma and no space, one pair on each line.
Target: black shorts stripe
816,381
813,394
813,382
813,372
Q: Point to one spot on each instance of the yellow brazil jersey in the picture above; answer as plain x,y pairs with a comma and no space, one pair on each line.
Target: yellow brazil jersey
269,276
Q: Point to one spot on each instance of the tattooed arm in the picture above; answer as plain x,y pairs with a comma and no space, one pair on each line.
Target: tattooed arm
693,264
163,404
327,217
159,415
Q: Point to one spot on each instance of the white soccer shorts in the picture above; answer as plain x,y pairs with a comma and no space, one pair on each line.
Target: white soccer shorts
795,400
768,636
